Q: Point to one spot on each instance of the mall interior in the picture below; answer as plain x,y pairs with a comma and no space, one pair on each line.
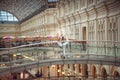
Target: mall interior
59,39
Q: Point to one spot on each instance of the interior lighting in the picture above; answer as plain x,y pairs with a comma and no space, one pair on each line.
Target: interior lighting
28,58
63,72
58,70
14,55
53,66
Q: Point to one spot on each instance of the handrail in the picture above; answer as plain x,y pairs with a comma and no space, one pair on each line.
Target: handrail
27,45
59,56
89,53
28,66
33,44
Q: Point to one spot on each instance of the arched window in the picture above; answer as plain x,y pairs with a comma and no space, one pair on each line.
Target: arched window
6,16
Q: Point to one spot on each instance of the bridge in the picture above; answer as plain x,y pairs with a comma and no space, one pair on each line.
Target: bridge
26,57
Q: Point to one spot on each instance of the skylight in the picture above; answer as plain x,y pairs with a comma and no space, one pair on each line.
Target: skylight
6,16
52,0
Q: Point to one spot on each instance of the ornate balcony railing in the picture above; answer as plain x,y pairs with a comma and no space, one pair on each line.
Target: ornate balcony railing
46,53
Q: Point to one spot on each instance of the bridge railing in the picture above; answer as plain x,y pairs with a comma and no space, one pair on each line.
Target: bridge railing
101,48
24,54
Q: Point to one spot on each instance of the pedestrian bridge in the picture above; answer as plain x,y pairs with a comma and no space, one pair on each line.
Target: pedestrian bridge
26,57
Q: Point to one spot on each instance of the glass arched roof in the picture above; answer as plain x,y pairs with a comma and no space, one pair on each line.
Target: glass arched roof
52,0
6,16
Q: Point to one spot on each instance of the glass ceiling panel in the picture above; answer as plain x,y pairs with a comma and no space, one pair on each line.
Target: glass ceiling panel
52,0
6,16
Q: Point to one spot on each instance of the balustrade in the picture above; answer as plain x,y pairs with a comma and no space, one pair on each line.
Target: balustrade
32,54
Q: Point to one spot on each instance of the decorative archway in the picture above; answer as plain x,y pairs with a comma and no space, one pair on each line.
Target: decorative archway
85,70
94,72
116,75
104,74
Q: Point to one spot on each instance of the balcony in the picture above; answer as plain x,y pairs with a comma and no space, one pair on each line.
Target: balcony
40,54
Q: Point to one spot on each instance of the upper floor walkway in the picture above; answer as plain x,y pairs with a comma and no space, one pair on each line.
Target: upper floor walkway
26,57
